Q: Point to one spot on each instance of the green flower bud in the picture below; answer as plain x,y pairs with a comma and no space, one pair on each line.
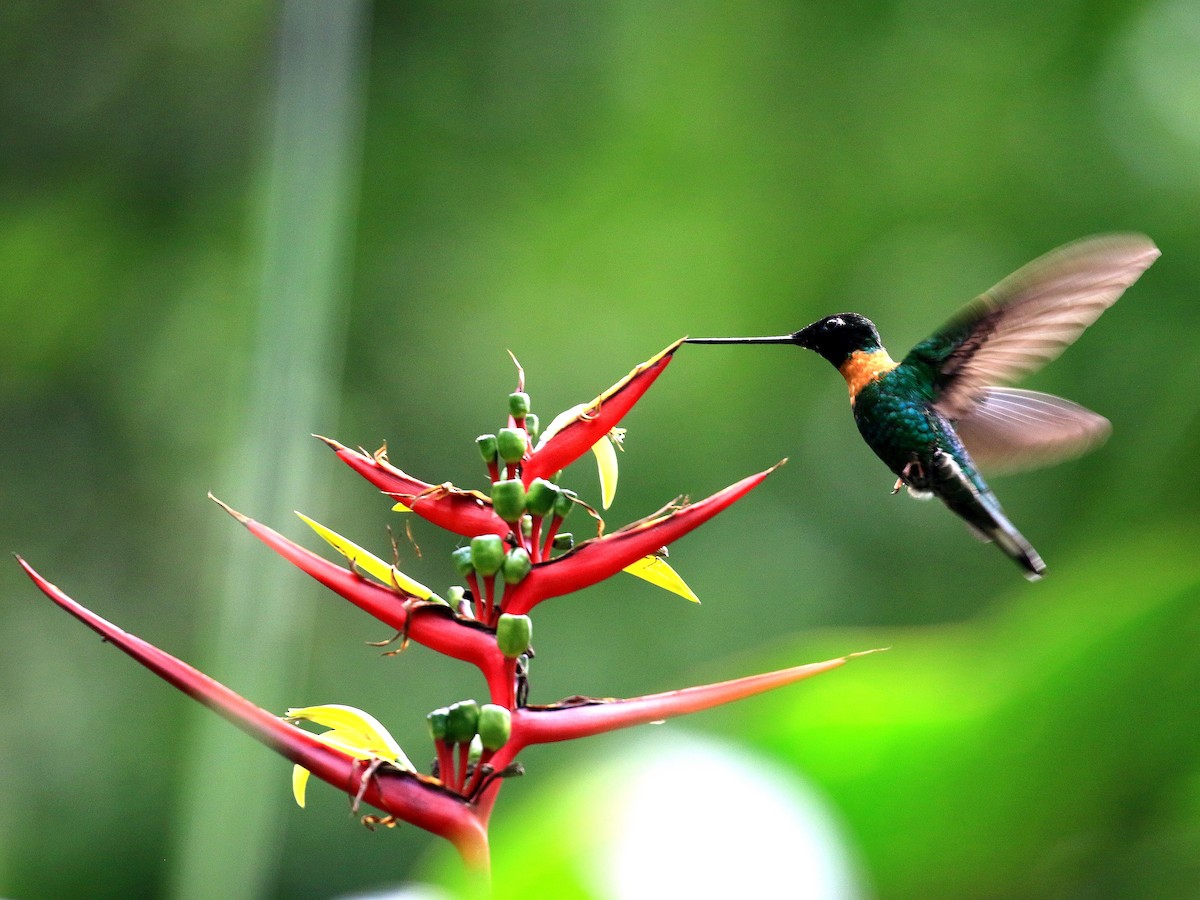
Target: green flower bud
487,447
514,634
510,442
462,721
458,600
475,751
495,726
516,565
564,541
437,723
541,496
508,499
487,554
518,404
462,561
564,503
527,522
533,426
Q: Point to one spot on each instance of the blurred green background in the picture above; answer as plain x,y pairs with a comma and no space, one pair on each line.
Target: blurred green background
224,227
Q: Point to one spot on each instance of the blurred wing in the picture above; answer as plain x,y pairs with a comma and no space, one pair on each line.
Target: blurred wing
1010,429
1029,318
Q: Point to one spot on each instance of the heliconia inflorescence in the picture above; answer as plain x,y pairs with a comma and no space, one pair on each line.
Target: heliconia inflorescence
512,556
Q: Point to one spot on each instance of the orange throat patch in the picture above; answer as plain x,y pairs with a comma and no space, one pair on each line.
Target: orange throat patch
863,367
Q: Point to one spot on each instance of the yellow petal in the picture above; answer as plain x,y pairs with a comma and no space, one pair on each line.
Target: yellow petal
400,507
299,784
658,571
564,418
354,732
606,462
369,562
352,744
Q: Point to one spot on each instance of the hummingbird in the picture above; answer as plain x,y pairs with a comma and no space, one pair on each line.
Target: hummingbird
938,415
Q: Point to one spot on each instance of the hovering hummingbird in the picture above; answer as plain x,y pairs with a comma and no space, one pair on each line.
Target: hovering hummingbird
935,417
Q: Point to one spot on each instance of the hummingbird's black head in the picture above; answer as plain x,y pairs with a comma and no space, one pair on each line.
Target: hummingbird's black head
836,337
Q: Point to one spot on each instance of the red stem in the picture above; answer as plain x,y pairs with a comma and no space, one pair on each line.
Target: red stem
535,540
489,599
445,761
476,595
484,758
551,534
506,696
460,776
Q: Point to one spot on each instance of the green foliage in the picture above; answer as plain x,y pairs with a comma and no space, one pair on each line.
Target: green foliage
582,183
1048,744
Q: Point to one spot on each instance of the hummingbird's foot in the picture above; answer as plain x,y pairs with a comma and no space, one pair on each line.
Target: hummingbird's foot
905,473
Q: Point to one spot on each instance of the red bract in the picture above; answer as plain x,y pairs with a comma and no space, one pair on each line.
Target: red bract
509,567
406,796
462,512
567,721
584,716
432,625
600,558
595,419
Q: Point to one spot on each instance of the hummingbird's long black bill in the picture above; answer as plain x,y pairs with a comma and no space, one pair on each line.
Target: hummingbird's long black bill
778,339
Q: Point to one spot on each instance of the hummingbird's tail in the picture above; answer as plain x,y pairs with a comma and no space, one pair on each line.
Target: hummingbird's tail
982,512
1012,542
